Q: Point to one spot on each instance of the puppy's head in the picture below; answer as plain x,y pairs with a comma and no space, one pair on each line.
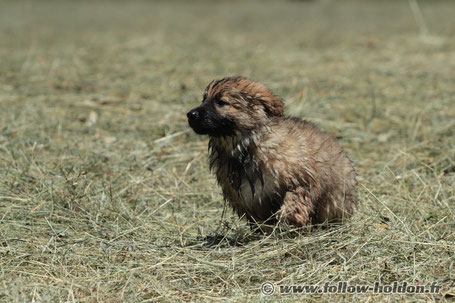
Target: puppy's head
234,105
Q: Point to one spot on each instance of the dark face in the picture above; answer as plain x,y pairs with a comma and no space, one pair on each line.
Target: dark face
207,119
233,105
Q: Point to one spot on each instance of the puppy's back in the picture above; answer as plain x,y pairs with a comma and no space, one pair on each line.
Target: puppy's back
298,154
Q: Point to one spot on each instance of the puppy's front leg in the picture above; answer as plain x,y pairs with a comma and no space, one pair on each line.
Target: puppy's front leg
297,207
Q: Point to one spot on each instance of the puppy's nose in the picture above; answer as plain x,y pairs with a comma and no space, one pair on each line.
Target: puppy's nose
192,115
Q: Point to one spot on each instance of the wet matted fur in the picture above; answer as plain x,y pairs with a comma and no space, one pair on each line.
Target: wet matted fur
272,168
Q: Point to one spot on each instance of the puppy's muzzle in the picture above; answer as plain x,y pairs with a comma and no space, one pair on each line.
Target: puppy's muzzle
197,120
206,121
193,115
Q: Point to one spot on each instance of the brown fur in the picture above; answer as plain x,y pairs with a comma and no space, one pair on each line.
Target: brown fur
272,168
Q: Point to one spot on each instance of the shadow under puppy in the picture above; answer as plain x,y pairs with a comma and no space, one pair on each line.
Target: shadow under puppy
272,168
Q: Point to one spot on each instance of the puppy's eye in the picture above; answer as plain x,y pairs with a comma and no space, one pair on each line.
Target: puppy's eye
221,103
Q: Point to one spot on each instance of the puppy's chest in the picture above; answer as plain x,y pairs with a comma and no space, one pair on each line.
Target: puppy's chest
256,192
248,184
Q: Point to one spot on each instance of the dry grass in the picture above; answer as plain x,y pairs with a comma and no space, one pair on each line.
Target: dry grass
105,194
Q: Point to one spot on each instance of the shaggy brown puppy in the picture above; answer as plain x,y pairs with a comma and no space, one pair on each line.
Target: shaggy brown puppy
271,167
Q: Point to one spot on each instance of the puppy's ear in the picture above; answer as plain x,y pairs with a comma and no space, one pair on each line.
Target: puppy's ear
273,105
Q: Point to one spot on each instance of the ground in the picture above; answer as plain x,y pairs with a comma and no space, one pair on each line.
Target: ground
105,192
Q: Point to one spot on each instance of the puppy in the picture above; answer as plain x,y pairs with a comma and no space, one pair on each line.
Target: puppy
272,168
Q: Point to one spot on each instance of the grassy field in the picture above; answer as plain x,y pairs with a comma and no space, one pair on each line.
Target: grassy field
105,193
